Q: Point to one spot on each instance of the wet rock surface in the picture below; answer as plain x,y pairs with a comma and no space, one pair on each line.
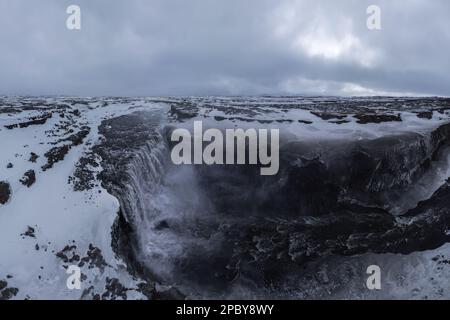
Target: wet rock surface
348,231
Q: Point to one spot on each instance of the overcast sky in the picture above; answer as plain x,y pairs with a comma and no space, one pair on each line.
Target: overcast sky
225,47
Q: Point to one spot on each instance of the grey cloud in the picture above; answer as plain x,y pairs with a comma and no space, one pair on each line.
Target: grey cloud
203,47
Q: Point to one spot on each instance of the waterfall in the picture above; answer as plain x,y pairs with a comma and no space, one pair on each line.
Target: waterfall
145,173
215,230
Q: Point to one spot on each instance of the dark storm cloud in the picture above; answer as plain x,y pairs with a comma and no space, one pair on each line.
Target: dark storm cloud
206,47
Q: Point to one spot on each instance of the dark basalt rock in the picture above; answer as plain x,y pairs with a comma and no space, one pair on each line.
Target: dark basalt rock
68,254
340,121
328,115
264,121
183,111
29,233
92,259
114,290
315,177
7,293
33,157
348,232
170,294
29,178
264,248
84,178
39,120
3,284
377,118
162,225
76,112
11,110
5,192
55,155
96,257
9,166
79,137
425,115
147,290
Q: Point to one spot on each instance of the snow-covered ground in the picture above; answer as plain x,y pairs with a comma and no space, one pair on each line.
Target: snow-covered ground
58,215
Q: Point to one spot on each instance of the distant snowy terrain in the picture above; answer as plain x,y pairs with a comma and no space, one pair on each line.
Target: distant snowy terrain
89,182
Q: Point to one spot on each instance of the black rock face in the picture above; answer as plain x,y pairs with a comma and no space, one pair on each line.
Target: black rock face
377,118
315,178
5,192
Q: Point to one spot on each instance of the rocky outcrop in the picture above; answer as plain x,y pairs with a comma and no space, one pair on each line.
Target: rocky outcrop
5,192
33,157
7,293
55,155
29,178
183,110
377,118
38,120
